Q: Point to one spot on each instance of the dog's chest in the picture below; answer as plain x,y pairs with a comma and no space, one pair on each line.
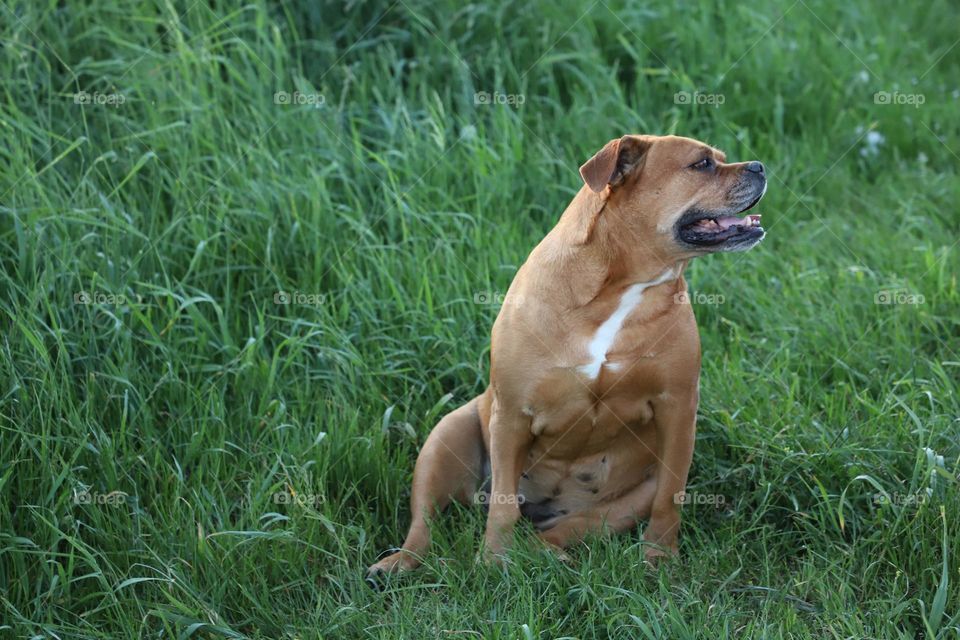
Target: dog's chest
590,414
609,335
606,378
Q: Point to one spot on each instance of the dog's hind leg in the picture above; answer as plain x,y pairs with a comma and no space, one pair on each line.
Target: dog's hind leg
449,467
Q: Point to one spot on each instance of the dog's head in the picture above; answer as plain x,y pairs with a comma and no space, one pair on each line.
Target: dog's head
679,191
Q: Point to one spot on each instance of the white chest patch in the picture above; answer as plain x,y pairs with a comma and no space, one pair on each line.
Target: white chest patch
602,341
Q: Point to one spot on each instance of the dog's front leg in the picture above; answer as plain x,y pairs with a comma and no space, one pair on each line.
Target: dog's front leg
675,416
510,439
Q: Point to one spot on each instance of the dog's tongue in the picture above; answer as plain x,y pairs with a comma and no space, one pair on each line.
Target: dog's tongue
726,222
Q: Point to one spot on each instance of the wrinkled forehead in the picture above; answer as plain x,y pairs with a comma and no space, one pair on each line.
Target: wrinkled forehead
685,150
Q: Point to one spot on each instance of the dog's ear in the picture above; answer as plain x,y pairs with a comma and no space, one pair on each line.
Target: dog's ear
614,162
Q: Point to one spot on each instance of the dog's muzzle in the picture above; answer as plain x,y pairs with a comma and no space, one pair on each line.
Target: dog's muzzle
726,230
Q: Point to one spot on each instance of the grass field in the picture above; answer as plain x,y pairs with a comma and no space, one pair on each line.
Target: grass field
246,251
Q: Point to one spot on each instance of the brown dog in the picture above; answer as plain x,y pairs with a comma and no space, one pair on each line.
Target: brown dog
590,415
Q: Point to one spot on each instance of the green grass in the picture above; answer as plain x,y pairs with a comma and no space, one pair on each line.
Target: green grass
183,210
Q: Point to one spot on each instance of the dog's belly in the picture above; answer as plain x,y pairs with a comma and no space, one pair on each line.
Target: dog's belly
605,451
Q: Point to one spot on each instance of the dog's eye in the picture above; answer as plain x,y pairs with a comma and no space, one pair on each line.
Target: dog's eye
706,163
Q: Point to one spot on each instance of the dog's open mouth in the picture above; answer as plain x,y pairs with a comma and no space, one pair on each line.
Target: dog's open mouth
705,229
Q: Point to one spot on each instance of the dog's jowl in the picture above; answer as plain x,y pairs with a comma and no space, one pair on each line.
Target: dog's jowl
589,419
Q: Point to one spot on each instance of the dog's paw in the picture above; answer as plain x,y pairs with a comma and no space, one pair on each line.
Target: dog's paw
493,556
559,554
394,563
554,546
491,559
655,555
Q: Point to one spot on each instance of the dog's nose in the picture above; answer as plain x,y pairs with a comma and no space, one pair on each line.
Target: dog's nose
755,167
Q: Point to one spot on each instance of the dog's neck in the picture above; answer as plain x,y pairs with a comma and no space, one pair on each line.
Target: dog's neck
593,240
